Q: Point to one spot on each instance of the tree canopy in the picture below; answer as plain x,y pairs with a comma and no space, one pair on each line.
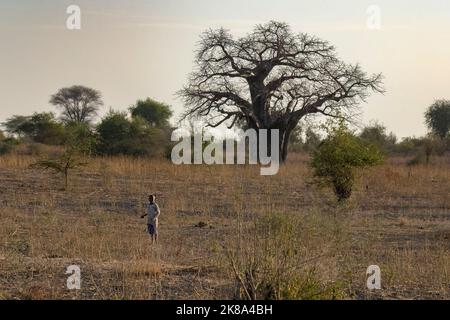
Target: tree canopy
40,127
154,112
437,118
135,136
77,103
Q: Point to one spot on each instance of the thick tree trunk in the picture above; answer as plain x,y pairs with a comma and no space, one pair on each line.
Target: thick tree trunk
284,146
283,143
285,125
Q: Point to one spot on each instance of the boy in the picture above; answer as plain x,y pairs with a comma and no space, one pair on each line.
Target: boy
153,214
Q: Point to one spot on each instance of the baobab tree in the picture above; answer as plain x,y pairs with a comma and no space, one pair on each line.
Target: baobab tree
78,104
271,79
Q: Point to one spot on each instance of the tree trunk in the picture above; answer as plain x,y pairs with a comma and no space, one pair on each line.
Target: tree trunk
283,143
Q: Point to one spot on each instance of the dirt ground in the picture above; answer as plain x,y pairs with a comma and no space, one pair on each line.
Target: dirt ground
398,218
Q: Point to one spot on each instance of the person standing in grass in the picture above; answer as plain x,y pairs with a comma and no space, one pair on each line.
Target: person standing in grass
153,213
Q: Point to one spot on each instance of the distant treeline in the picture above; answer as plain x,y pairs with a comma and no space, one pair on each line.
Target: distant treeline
419,148
144,130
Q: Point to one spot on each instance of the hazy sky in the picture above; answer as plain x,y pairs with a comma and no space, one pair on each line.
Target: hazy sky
130,49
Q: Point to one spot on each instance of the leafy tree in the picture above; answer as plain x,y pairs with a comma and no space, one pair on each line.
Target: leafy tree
77,103
154,112
113,131
2,135
43,128
16,124
40,128
271,79
437,118
120,135
145,140
337,157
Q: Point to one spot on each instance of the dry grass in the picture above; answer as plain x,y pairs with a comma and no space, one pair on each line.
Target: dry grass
398,218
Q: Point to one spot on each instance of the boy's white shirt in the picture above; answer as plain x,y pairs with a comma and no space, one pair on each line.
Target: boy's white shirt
153,213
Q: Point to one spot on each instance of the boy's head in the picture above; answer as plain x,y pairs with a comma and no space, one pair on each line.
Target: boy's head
151,198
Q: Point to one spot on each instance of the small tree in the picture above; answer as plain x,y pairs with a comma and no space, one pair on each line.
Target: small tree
337,157
77,146
437,118
63,164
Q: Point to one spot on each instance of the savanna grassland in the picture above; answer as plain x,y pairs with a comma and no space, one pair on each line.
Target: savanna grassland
225,232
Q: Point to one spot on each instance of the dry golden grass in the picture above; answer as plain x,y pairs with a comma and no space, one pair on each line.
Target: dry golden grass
398,218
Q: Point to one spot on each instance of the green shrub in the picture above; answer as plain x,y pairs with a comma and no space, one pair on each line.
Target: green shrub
335,160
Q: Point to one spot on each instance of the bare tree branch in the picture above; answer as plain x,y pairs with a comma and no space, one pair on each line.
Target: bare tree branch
272,77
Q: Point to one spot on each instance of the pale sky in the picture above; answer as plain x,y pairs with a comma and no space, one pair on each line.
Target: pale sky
130,49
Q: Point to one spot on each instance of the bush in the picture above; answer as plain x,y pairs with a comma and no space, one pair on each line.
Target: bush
336,158
120,135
